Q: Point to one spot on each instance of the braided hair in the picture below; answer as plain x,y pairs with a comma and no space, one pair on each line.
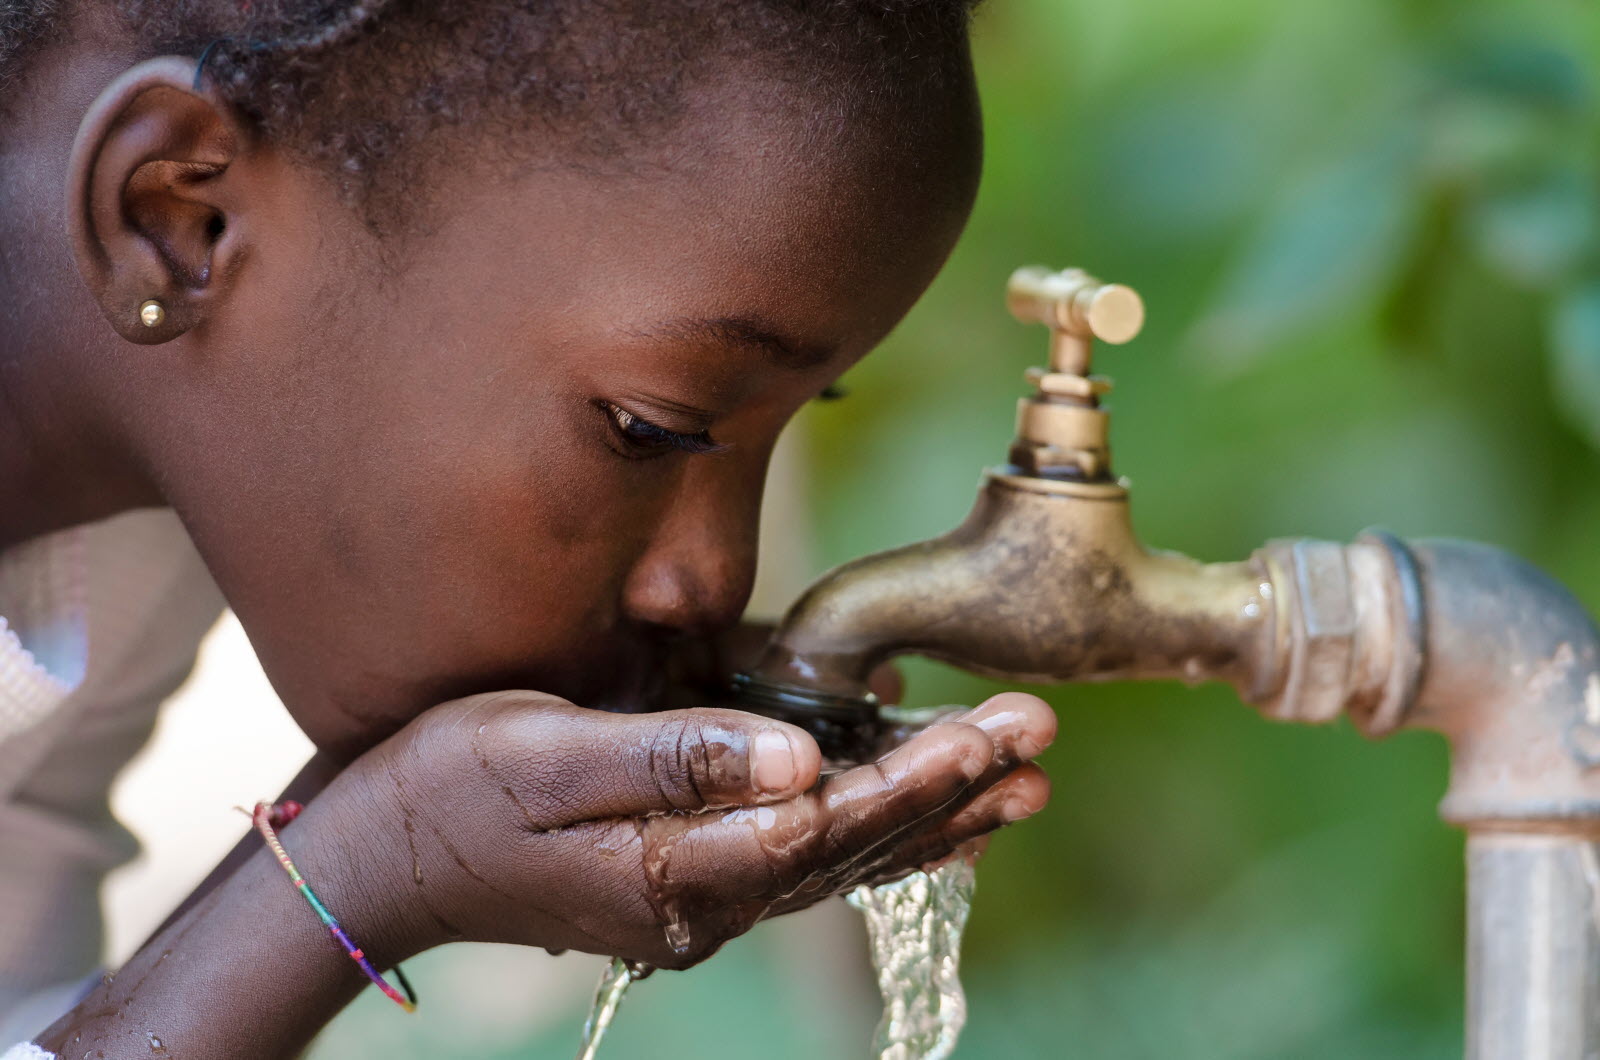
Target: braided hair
369,88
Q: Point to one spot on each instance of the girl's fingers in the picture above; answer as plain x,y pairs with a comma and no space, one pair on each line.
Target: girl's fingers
565,765
711,876
771,850
872,807
1021,726
1023,793
1020,794
775,850
864,806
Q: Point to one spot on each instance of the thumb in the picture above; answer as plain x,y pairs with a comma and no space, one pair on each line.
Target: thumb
583,765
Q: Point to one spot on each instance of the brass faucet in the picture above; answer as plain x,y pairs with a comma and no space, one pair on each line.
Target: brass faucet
1046,582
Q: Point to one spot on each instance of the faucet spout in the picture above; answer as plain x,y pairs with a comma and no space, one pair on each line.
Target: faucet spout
1044,582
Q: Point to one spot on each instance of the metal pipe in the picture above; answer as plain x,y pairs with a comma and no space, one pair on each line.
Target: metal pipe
1512,678
1533,947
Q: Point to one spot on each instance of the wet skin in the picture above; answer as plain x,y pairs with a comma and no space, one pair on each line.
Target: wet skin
453,460
775,840
577,829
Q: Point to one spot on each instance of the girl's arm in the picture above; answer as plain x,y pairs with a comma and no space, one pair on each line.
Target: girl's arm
316,774
520,818
248,971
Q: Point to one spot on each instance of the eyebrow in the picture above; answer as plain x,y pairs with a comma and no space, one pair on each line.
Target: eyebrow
745,334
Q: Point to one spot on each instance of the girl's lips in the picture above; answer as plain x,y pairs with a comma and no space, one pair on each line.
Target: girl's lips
631,681
641,694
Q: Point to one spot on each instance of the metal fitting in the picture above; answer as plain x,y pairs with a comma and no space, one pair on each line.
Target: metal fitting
1316,628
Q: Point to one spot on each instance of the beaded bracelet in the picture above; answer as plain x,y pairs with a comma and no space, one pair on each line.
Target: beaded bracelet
267,818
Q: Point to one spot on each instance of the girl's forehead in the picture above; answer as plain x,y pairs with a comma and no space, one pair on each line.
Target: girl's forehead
749,239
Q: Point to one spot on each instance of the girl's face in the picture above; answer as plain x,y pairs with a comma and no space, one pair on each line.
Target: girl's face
529,449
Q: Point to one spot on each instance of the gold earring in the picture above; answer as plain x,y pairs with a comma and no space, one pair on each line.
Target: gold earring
152,313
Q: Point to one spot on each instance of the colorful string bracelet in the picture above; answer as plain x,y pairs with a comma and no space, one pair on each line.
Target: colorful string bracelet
268,818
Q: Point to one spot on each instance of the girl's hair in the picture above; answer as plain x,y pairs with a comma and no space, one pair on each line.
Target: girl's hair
367,86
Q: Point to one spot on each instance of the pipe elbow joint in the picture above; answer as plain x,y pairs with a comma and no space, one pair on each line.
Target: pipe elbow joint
1457,638
1512,679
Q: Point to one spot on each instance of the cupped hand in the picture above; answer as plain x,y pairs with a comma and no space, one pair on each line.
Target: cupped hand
520,818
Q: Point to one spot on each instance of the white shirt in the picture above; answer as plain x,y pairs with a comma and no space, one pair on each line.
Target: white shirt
98,625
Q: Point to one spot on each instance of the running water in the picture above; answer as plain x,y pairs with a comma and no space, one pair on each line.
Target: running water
914,926
608,995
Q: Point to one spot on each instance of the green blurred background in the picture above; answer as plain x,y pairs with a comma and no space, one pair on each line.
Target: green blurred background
1366,233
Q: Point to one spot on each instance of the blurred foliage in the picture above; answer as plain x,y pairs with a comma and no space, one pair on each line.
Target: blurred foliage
1367,234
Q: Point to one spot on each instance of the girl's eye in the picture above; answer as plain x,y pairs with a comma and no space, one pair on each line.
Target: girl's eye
646,438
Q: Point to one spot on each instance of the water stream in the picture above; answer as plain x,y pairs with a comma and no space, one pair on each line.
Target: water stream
608,995
914,927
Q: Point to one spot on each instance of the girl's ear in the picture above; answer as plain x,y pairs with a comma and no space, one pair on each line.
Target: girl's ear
150,208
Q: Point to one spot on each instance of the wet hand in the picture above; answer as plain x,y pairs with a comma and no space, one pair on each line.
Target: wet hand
521,818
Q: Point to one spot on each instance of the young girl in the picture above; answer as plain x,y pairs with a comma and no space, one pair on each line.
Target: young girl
451,341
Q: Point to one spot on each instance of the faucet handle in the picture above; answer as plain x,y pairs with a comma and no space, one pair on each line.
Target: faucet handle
1076,307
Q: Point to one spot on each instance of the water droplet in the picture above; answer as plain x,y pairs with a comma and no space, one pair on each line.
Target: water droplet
1252,610
612,840
661,836
678,934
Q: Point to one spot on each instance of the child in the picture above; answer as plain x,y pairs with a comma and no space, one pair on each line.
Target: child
455,337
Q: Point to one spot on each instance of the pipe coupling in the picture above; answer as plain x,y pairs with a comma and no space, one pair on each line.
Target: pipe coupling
1348,629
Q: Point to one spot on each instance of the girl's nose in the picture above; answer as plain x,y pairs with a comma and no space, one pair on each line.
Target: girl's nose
695,576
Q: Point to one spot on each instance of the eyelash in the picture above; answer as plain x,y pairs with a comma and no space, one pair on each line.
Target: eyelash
641,434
